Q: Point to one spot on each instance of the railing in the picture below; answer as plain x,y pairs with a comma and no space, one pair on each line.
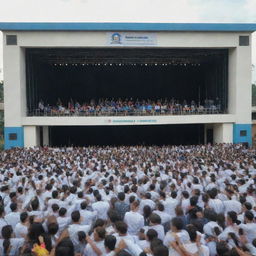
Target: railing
57,113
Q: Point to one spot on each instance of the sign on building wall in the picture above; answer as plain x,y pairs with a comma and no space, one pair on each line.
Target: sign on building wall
131,39
130,121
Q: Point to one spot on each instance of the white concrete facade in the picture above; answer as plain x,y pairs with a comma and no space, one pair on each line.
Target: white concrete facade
239,90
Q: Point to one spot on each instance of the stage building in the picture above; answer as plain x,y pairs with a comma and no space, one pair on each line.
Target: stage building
84,62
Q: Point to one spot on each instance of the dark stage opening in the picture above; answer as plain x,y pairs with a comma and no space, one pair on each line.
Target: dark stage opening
126,135
86,74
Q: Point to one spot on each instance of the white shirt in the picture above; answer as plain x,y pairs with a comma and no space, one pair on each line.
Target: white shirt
16,244
63,222
143,244
250,230
132,247
134,221
227,230
87,217
73,229
148,202
20,230
232,205
38,214
3,223
185,203
216,205
192,248
165,217
101,208
184,238
209,228
158,228
90,252
12,218
170,205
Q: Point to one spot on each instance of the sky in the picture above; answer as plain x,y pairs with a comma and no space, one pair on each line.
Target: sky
230,11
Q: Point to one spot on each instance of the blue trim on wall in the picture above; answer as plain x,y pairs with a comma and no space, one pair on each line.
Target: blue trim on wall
19,142
68,26
237,138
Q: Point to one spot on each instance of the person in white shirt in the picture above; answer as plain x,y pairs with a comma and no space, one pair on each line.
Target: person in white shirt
146,200
21,228
121,234
154,194
232,204
146,238
98,239
134,219
249,228
35,209
193,246
101,207
155,223
214,203
185,202
3,222
209,227
165,217
62,220
171,203
55,200
232,226
110,244
12,199
8,243
75,227
88,217
14,216
176,230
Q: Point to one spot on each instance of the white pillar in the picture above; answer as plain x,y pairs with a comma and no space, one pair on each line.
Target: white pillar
240,92
45,136
31,136
223,133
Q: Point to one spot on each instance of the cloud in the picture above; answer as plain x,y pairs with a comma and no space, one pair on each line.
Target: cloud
227,10
129,11
99,10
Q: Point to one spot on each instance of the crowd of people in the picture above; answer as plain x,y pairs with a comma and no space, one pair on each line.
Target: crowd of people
128,106
128,201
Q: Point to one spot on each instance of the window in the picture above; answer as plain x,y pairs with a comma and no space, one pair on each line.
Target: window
243,133
12,136
11,40
244,40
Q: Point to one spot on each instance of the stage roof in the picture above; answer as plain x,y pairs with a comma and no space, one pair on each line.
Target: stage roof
74,26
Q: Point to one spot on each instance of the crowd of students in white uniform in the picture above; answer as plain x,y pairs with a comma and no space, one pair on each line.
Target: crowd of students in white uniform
138,201
129,106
